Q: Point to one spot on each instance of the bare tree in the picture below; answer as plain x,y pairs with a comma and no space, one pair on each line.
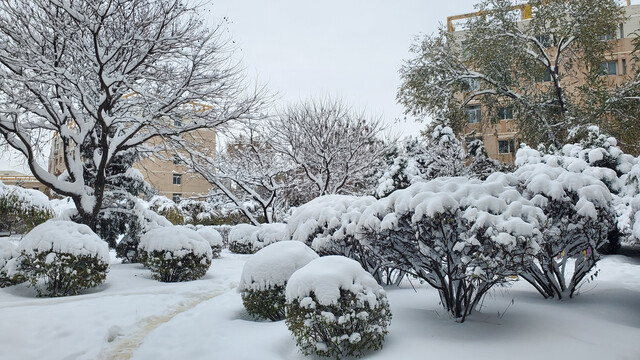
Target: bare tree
108,76
334,147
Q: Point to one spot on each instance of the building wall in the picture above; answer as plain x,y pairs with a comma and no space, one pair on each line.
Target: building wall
506,130
23,180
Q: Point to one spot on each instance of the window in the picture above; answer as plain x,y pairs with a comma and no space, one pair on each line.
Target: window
505,113
176,160
624,66
610,68
177,179
176,198
36,188
607,37
621,31
474,112
543,76
473,84
177,122
506,146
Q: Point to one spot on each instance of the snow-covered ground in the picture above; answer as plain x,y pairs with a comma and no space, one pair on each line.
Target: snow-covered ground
134,316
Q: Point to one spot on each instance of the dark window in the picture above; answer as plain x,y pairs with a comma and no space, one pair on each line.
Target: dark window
607,37
176,198
177,122
36,188
177,179
610,68
474,112
176,160
624,66
544,40
506,146
505,113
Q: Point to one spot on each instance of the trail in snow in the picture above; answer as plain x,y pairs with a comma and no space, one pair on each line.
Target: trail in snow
124,346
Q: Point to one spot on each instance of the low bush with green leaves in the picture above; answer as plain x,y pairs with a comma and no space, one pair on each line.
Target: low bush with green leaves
22,209
336,309
240,238
265,276
60,258
175,253
213,238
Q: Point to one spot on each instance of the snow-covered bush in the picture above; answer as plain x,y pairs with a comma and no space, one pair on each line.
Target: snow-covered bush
480,165
240,238
69,257
175,253
197,212
213,238
167,208
224,232
336,309
7,252
22,209
461,236
579,218
265,276
144,220
328,225
267,234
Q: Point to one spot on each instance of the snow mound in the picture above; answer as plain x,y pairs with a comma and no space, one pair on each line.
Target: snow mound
27,198
7,252
326,276
178,240
274,264
267,234
64,237
241,233
211,235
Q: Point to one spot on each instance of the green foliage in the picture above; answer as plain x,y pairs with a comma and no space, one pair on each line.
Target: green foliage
216,250
265,304
127,249
532,67
167,266
18,217
173,214
237,247
63,274
349,328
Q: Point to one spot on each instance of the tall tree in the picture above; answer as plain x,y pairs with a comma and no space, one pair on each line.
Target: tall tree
542,67
110,76
335,148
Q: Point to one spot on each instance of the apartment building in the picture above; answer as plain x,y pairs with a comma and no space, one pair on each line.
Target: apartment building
10,177
498,130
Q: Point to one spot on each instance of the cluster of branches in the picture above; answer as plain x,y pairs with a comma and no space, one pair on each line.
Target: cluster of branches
110,76
547,69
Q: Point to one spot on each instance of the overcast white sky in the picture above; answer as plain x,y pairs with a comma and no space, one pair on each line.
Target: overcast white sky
351,49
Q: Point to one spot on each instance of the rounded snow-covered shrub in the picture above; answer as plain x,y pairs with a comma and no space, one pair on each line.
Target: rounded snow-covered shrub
336,309
265,276
69,257
22,209
7,252
213,238
267,234
240,238
579,219
328,224
175,253
167,208
461,236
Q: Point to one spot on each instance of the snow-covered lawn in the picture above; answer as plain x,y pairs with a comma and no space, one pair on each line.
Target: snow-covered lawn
134,316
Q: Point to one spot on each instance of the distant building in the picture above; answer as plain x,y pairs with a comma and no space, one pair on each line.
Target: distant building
10,177
501,137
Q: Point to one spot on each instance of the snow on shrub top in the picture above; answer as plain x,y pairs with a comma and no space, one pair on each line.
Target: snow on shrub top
63,236
555,183
267,234
212,236
274,264
320,217
177,239
488,204
26,198
241,233
326,276
7,251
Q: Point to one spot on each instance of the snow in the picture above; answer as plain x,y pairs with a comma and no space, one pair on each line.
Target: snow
241,233
27,198
177,240
267,234
64,237
326,276
274,264
7,251
212,236
134,315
